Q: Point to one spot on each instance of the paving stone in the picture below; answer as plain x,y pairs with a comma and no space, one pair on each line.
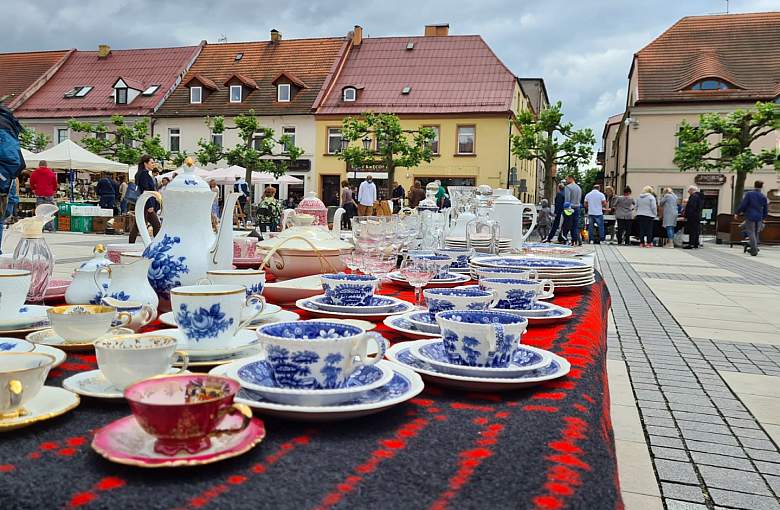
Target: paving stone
670,442
763,455
688,408
661,422
706,418
744,501
651,404
758,444
769,468
662,431
704,427
698,399
751,433
732,479
684,492
722,461
669,453
774,483
720,449
673,471
656,412
710,437
673,504
737,422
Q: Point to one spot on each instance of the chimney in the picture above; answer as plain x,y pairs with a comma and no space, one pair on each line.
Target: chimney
104,50
276,36
438,30
357,36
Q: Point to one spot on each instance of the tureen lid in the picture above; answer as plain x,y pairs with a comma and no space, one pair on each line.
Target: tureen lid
304,238
98,261
311,203
187,180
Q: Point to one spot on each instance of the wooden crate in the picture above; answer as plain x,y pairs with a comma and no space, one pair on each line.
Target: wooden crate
99,224
63,224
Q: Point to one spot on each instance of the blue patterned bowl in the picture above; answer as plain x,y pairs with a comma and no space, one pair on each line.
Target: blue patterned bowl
460,258
480,338
457,298
443,262
349,289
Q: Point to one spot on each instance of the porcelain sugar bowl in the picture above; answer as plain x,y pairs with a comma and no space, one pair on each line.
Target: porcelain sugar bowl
87,288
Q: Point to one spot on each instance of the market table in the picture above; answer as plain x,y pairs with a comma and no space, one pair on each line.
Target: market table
547,447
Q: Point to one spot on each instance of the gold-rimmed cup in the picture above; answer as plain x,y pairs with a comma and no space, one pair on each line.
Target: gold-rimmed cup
22,375
84,323
126,359
14,284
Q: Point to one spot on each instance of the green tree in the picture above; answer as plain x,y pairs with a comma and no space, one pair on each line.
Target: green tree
121,141
33,140
395,147
586,178
256,143
730,152
552,141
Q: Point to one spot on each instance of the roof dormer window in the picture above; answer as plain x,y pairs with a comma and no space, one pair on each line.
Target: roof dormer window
349,94
196,95
236,93
120,95
711,84
150,90
283,92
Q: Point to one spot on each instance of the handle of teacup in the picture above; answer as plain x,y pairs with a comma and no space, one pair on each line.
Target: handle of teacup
124,319
15,392
203,281
533,274
185,360
147,314
548,283
498,337
96,276
254,307
235,409
381,348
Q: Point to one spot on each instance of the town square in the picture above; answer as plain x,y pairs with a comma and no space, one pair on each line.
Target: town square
508,255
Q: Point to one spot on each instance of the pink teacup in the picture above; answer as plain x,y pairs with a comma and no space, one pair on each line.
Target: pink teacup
244,247
183,411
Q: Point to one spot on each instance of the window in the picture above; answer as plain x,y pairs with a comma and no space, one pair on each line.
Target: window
350,94
710,84
334,140
196,95
235,93
121,95
216,139
101,135
435,143
62,134
257,141
466,137
150,90
238,57
283,93
174,139
289,132
406,90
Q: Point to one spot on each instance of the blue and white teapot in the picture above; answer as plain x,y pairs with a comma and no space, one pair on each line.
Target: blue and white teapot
186,246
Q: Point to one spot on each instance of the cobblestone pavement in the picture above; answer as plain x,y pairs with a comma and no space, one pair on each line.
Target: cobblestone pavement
707,449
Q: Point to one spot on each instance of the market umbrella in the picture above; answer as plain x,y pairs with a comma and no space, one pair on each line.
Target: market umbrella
30,158
228,176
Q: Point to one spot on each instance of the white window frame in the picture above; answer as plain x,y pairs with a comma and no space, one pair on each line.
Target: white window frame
116,95
279,92
344,94
174,133
221,139
331,134
293,135
473,138
200,95
240,93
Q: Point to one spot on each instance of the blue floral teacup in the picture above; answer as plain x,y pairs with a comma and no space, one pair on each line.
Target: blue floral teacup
480,338
459,257
316,354
349,289
252,279
211,315
457,298
516,293
443,262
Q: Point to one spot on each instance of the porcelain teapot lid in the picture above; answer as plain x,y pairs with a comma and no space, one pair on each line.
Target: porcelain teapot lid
314,238
187,180
505,196
311,203
96,262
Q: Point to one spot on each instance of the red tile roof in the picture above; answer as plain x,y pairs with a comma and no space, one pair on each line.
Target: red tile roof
142,67
21,71
307,60
450,74
741,49
209,84
249,82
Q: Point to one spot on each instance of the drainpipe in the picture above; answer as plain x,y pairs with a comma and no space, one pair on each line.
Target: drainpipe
625,159
509,155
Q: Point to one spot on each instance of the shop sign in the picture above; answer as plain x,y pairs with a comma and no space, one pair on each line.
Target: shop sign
709,179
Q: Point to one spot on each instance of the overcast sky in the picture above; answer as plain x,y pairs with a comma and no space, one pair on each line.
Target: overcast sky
582,48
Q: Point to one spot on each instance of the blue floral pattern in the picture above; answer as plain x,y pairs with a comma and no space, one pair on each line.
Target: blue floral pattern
309,330
98,299
255,289
203,322
165,270
6,346
291,369
517,299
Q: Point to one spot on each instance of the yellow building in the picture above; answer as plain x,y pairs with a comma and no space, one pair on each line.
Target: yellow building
453,84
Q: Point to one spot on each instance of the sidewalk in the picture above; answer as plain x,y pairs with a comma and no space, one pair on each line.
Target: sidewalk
694,370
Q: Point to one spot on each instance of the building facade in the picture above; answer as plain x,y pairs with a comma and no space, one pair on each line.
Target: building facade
278,79
702,64
453,84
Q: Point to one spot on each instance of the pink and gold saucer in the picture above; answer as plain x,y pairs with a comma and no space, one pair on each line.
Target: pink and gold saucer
125,442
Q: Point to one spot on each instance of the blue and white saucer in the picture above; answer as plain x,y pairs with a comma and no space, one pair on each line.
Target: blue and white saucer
243,339
539,263
29,317
8,344
452,279
540,309
400,306
258,376
424,322
378,304
403,325
401,353
404,385
526,358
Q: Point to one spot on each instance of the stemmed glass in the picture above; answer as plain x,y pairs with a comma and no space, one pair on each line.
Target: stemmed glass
418,272
352,260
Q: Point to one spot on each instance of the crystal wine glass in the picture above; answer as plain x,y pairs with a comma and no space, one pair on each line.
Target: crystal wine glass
418,272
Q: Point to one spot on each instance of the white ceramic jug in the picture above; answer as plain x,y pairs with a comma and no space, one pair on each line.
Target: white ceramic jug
129,282
508,210
86,288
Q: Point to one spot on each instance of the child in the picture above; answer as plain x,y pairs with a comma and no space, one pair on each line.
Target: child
568,220
544,220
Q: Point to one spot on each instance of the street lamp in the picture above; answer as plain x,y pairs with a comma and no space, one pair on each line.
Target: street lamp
344,144
366,142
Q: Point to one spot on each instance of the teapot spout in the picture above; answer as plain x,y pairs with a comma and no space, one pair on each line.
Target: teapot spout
221,253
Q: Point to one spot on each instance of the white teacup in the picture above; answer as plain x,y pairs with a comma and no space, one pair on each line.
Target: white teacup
141,313
21,378
83,323
125,359
14,284
514,293
252,279
211,315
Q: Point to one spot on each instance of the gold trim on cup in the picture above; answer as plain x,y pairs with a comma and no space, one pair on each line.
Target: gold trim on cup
19,370
21,272
240,289
92,309
235,272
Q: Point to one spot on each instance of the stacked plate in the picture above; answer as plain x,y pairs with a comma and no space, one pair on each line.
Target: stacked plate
555,250
482,245
567,274
451,280
530,366
379,308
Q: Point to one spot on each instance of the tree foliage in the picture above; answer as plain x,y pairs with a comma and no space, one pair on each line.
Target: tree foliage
723,143
120,140
552,141
32,140
586,178
392,146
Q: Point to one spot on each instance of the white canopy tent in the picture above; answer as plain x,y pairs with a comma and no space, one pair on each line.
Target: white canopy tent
225,176
68,155
30,158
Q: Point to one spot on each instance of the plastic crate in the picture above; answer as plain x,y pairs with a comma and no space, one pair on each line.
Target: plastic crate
81,224
63,223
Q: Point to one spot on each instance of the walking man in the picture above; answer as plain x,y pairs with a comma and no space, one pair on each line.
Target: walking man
755,208
595,202
693,216
43,184
559,200
366,197
572,193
